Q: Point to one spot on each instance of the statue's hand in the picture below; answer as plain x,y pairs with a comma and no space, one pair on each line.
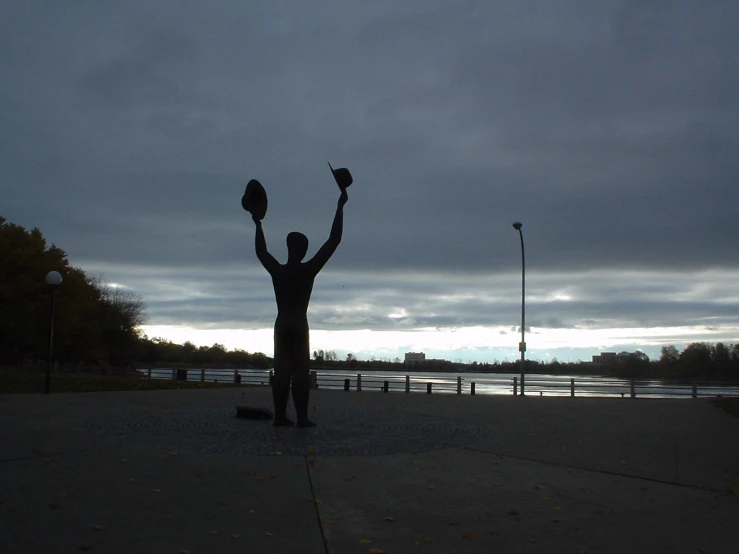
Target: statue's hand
255,220
343,198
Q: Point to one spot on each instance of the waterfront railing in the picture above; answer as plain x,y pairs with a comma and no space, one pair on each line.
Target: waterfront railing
534,385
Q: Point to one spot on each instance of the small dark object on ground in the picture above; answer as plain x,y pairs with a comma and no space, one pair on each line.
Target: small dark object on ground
253,413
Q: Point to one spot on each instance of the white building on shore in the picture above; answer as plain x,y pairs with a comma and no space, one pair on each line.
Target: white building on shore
414,358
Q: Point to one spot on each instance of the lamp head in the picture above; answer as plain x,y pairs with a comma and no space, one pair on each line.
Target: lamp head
54,278
517,226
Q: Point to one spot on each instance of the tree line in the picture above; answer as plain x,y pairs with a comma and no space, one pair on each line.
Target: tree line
697,360
161,352
95,324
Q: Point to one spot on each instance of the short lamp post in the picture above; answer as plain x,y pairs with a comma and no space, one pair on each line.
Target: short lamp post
53,279
522,345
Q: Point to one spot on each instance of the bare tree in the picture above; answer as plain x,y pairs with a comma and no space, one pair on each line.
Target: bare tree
122,312
126,309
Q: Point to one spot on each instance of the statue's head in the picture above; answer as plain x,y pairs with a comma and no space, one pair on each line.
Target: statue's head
297,246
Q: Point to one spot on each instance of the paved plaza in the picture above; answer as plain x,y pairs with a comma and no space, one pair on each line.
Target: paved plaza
175,472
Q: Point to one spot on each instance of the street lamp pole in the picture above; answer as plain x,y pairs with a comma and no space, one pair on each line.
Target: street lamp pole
53,279
522,345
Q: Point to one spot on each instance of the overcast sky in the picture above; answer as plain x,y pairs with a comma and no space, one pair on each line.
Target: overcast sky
128,131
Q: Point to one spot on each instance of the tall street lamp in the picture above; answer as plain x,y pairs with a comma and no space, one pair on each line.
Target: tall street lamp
522,345
53,279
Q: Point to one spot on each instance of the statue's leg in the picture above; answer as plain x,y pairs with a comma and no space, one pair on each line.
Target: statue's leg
301,395
280,395
281,379
301,379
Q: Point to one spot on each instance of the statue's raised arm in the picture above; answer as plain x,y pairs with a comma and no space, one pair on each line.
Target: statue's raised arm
260,243
334,239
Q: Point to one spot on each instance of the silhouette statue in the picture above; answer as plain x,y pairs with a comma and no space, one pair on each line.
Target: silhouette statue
293,284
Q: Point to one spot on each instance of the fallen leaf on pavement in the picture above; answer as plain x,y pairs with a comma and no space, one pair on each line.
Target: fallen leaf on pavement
252,511
365,541
318,501
213,532
532,541
155,490
172,453
85,547
269,534
330,522
184,552
123,460
388,518
469,536
311,449
234,536
54,506
377,551
427,539
98,527
496,484
513,513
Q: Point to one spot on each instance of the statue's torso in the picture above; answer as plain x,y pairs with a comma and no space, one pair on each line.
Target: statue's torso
293,286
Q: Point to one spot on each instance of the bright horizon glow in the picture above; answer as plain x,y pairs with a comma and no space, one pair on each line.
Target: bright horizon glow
482,344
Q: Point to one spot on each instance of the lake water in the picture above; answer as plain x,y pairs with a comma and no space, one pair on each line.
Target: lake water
485,383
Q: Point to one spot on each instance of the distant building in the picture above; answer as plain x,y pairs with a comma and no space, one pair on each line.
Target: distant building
414,358
610,358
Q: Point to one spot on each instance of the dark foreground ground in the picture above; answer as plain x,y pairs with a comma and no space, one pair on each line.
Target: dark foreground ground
175,472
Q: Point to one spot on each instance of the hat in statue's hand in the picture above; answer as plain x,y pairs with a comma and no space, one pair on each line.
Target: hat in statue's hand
342,177
255,199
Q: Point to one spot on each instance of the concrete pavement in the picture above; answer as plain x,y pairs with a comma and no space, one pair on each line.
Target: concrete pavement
174,471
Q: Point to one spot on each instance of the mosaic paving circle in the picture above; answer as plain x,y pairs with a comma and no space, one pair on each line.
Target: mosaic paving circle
340,432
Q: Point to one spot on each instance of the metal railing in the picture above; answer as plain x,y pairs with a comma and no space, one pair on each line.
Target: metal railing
584,386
